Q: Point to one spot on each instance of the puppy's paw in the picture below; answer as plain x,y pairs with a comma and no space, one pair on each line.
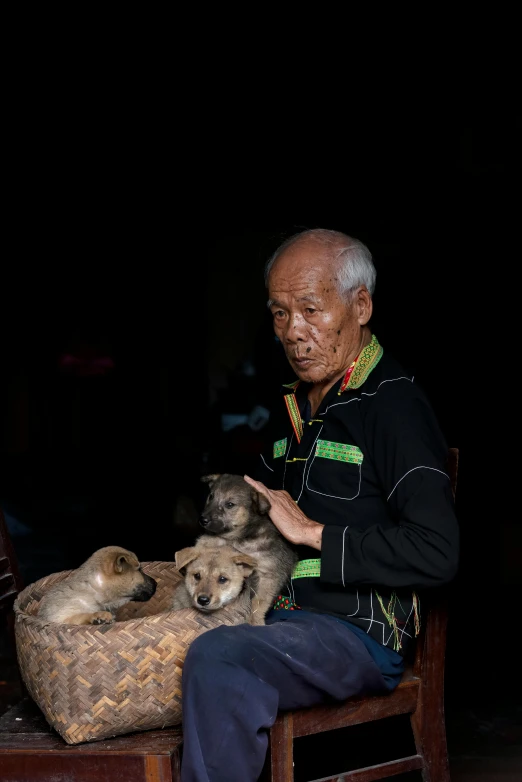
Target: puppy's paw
102,618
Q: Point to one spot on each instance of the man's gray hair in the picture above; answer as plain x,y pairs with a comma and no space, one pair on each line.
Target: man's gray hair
356,266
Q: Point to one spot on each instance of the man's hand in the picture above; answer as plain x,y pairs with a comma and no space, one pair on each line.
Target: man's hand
288,518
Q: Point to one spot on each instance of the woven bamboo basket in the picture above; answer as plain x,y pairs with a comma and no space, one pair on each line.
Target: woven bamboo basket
98,681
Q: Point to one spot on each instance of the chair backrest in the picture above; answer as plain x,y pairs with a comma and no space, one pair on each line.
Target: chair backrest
433,632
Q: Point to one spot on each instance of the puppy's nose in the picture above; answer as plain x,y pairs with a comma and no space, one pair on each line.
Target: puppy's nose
203,600
204,521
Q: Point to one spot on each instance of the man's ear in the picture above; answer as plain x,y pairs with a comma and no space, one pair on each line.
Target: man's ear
363,304
184,557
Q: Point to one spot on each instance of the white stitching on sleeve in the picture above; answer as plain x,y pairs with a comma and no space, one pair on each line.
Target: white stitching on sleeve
342,560
420,467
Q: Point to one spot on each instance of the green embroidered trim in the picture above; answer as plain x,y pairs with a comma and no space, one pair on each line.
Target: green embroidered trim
367,361
279,448
339,451
295,415
307,568
292,386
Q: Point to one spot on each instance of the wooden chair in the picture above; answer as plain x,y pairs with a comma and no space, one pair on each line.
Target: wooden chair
419,695
31,751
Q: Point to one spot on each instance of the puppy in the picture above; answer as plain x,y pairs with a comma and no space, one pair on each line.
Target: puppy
234,513
214,577
91,594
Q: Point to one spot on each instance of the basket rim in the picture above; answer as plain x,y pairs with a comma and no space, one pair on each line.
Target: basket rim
22,616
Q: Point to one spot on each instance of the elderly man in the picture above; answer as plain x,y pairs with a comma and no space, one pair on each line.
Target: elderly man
355,475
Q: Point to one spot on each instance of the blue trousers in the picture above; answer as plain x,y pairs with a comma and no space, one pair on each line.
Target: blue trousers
236,678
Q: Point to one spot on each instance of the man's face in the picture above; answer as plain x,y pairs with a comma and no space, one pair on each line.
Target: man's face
320,332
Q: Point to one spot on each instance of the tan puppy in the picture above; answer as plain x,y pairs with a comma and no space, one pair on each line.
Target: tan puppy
235,514
91,594
214,577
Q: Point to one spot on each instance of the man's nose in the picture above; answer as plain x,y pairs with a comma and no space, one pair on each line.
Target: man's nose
295,329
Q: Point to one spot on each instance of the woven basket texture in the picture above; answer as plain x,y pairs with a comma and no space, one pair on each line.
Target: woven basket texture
98,681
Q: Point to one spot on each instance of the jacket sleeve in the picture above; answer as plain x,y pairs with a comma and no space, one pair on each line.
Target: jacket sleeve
416,544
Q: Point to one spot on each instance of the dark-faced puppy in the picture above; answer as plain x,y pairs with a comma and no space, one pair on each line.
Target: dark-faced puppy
213,578
91,594
236,514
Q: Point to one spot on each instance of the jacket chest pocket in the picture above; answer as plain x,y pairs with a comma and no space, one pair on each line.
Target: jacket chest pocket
335,470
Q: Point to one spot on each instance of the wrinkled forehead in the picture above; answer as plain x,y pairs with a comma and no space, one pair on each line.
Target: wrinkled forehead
307,268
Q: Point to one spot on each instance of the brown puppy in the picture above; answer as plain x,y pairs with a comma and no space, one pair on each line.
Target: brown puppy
110,578
236,514
214,577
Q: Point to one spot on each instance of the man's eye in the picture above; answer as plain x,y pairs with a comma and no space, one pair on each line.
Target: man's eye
278,314
310,310
222,580
210,497
197,576
229,504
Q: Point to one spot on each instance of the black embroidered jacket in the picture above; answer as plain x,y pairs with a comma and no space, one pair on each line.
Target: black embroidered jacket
371,467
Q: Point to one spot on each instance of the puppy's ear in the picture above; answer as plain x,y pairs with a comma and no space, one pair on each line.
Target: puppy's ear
124,561
248,564
261,502
184,557
210,479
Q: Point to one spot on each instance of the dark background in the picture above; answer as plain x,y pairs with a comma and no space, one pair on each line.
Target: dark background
154,262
